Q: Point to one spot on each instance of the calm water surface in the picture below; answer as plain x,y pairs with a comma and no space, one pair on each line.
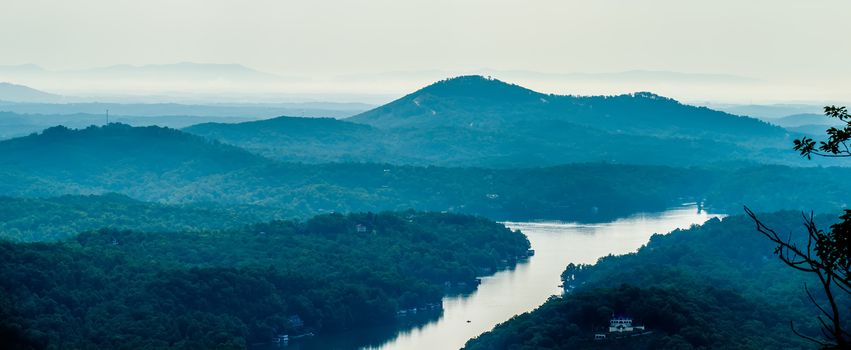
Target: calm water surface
511,292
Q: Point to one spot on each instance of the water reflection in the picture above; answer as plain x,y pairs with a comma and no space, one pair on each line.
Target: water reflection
511,292
370,337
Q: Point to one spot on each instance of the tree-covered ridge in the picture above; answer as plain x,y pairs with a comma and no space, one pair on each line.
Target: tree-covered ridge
768,188
688,315
126,289
521,144
165,165
169,166
312,140
475,121
58,218
712,286
475,99
207,171
524,194
101,151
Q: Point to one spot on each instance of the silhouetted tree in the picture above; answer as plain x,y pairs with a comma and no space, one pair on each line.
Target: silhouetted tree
836,144
827,255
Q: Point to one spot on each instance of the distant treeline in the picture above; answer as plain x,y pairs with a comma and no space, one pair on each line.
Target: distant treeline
59,218
232,288
168,166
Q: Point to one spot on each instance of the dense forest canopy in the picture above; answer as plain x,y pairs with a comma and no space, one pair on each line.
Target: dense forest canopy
59,218
169,166
230,289
313,140
692,288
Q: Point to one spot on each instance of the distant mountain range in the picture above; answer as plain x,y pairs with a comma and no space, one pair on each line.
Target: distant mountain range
469,144
797,120
807,123
477,121
152,72
19,119
637,75
200,83
178,82
700,88
18,93
769,112
182,70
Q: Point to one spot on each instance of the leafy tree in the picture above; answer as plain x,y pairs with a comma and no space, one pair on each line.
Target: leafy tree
837,141
826,254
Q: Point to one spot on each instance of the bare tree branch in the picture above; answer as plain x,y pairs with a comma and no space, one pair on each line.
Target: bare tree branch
828,272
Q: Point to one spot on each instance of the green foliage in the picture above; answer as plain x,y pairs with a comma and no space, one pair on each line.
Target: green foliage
165,165
52,219
834,249
686,316
126,289
711,286
772,188
826,254
312,140
836,144
168,166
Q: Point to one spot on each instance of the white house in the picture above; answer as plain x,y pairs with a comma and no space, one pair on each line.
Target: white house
620,324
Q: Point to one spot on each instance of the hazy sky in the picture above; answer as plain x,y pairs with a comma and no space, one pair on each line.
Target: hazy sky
805,42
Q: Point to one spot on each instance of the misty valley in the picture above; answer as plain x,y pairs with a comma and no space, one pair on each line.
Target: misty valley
470,213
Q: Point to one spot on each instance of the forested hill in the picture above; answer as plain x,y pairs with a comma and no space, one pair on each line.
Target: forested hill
120,148
113,289
319,128
475,121
692,288
314,140
525,144
493,104
169,166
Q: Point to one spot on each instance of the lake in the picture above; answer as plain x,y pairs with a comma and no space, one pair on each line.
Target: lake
511,292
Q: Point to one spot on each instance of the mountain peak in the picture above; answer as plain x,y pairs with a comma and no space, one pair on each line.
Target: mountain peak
453,102
476,86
